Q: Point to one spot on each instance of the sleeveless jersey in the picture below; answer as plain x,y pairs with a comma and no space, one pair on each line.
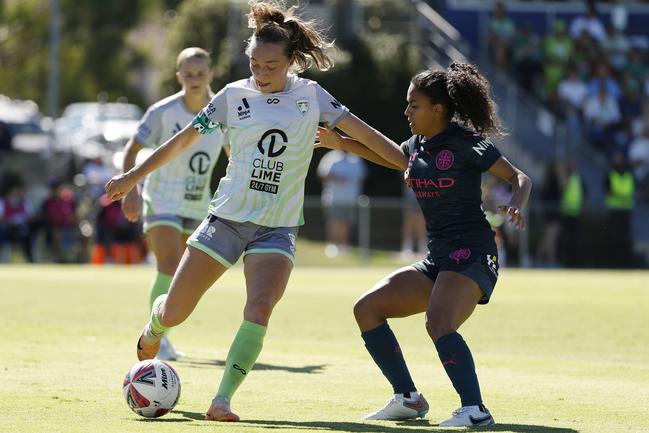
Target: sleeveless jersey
445,173
182,186
271,139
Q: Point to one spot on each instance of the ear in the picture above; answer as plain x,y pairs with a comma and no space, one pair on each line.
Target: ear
178,79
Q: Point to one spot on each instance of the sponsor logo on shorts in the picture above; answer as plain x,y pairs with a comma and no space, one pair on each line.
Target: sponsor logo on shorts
208,232
492,263
460,254
291,238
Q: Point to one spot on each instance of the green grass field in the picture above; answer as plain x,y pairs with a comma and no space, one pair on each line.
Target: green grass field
557,352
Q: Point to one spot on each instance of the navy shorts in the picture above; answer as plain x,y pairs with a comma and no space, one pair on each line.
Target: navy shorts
477,260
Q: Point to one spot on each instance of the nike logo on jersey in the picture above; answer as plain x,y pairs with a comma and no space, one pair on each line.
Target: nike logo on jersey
482,146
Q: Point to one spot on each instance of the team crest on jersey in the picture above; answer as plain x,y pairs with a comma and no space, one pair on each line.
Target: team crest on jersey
303,105
444,159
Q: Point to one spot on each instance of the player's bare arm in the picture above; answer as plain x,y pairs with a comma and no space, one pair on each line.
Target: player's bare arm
521,188
374,140
332,140
120,185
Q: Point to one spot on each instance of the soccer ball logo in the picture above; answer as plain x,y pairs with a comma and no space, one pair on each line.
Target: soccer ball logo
151,388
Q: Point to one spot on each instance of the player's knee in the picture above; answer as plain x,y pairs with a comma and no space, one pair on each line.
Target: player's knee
170,317
168,264
437,325
362,308
259,309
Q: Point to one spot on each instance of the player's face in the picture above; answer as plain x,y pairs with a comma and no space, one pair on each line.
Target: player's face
269,65
422,114
194,76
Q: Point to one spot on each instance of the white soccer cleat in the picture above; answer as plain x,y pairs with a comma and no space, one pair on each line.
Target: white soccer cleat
167,351
400,408
469,416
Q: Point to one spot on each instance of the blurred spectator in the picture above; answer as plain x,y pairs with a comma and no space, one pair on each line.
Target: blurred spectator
619,185
572,94
587,50
16,217
588,23
117,239
96,174
527,57
558,46
60,223
616,47
604,78
342,175
639,159
413,229
557,50
501,34
546,253
573,195
636,68
602,115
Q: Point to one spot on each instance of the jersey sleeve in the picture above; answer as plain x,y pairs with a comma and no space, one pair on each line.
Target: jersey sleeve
213,116
481,152
331,111
408,146
150,128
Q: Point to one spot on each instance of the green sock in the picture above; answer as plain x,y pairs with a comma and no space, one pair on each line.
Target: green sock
154,330
160,287
243,353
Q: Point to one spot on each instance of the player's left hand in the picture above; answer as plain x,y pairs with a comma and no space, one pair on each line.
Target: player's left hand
515,215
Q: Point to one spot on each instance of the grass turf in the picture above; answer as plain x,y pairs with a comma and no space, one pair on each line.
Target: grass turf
557,352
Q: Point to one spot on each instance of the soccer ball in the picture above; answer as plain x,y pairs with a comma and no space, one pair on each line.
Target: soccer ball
151,388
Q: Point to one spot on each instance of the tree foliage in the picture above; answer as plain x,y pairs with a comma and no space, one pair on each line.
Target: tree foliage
93,54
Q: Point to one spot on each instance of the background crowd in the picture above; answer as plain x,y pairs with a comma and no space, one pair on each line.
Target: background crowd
587,70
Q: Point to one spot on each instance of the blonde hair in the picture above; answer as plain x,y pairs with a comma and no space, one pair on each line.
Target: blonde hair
191,53
273,22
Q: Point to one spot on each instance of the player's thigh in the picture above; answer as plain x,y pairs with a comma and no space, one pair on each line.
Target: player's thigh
402,293
266,275
196,273
452,301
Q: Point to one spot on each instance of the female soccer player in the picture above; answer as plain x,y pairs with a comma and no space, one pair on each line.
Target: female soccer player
271,119
175,197
450,113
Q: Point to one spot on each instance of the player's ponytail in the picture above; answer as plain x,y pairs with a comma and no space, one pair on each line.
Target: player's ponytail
470,93
465,93
274,23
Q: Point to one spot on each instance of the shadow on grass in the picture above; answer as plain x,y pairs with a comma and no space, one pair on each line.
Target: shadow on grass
399,427
357,427
307,369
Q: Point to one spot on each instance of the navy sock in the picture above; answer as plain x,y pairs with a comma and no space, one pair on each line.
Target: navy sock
458,363
386,353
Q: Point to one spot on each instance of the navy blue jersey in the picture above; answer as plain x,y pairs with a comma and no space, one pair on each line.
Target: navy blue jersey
445,174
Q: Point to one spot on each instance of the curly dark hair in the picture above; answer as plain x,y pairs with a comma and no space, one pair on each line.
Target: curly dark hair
272,22
465,93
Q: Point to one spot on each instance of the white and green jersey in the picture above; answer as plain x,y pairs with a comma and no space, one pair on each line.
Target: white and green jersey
271,139
182,186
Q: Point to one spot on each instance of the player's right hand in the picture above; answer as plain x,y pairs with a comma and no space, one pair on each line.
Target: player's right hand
119,186
328,138
132,205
